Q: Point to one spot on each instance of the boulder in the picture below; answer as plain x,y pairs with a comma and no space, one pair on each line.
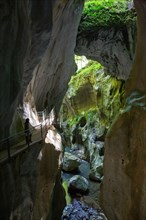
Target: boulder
78,183
70,162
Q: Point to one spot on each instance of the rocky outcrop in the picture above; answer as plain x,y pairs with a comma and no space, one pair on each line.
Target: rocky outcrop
113,47
123,190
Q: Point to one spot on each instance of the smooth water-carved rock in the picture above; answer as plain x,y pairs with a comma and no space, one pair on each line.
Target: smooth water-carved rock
124,168
49,185
70,162
123,194
57,64
96,173
113,48
78,183
14,38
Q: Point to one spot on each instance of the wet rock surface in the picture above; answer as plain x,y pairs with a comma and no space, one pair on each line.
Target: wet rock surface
84,204
84,170
78,183
70,162
81,211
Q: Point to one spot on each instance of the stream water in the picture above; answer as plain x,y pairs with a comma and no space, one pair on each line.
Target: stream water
83,170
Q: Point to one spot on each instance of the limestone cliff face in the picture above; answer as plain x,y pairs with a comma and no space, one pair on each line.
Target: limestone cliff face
23,24
26,26
51,76
40,28
14,34
31,30
113,47
123,190
29,185
18,184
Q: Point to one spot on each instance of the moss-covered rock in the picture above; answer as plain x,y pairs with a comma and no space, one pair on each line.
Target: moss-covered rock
98,106
100,99
109,13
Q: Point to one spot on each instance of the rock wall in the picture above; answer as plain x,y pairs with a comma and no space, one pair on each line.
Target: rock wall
51,76
123,189
28,30
50,54
23,36
47,205
18,184
25,24
29,185
113,47
124,185
14,34
41,16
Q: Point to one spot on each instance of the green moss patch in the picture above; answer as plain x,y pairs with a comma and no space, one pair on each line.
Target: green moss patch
109,96
106,13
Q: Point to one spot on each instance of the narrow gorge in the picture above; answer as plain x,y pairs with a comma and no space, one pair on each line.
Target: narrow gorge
76,69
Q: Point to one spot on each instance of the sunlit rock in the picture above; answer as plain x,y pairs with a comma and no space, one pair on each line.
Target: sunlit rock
54,138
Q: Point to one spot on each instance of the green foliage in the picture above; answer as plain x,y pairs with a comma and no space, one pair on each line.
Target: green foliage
105,13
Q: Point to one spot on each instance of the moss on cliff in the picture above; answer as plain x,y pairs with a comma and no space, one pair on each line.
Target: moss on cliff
83,76
106,13
108,96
